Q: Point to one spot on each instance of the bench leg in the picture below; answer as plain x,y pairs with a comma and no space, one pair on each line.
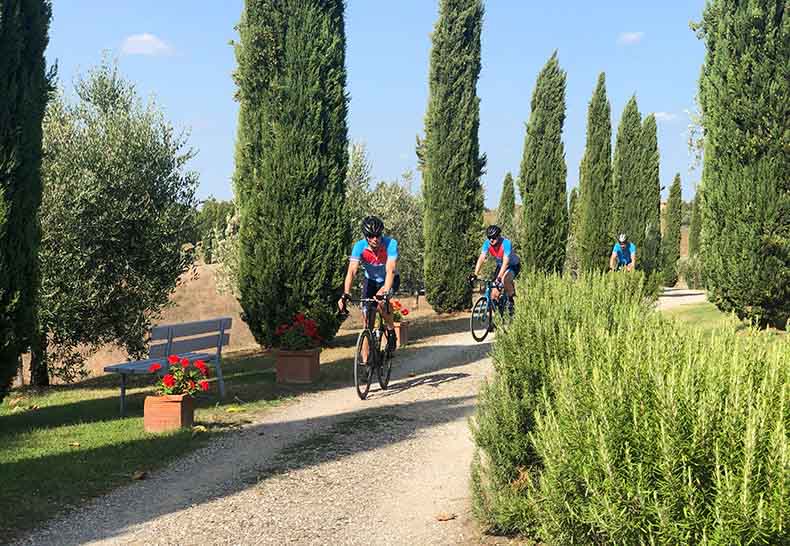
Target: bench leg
123,395
220,379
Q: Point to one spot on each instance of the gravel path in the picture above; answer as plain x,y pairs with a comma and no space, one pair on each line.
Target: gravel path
328,469
675,297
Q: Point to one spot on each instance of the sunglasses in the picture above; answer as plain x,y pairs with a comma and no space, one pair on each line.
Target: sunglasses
373,237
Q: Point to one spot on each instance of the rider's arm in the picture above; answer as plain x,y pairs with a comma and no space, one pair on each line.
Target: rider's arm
392,264
612,260
353,265
633,260
480,261
502,270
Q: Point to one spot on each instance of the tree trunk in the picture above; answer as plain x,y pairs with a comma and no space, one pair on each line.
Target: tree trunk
39,371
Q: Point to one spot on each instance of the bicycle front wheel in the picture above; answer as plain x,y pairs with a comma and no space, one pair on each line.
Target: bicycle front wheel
385,368
480,322
363,363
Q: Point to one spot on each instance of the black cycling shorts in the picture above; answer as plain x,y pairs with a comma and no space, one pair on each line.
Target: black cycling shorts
370,287
515,269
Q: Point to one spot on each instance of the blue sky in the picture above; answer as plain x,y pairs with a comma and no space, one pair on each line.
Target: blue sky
178,51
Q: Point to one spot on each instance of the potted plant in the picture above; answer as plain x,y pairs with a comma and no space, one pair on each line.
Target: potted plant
173,407
401,325
297,354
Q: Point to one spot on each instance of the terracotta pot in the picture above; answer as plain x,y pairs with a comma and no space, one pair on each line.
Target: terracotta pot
297,366
402,332
168,412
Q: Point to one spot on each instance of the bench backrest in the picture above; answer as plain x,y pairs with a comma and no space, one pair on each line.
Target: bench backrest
180,338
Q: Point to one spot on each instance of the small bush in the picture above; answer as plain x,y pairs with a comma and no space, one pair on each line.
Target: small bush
690,270
609,423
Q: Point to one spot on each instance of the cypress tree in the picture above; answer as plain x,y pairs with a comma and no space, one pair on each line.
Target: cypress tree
25,85
696,221
452,162
291,162
543,174
505,213
627,176
744,89
595,181
670,246
648,206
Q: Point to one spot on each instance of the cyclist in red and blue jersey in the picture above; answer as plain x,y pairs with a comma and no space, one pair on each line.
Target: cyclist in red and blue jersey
379,258
508,264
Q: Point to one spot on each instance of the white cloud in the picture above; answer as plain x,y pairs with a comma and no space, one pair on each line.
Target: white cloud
665,116
145,44
629,38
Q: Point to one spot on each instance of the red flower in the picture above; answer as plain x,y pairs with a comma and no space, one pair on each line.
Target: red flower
172,359
404,312
200,365
299,317
185,363
168,380
155,367
204,385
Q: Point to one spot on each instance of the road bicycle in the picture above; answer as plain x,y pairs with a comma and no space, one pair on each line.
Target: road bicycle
481,322
372,353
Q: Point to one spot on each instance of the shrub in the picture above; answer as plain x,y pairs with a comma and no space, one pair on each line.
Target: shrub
609,423
690,269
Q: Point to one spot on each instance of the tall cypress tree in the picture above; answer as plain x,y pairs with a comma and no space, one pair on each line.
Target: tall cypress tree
744,89
696,221
505,213
627,176
543,174
595,181
451,153
647,208
24,90
670,244
291,162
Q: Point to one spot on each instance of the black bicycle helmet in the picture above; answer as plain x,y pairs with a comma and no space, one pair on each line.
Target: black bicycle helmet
372,226
493,231
622,238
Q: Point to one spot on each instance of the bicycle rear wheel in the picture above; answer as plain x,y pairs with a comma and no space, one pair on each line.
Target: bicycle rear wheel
363,363
385,366
480,321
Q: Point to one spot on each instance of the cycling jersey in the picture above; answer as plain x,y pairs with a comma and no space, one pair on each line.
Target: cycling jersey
503,248
375,262
624,256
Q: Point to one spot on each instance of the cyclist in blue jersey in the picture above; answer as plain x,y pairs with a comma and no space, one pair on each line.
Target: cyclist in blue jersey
508,264
623,254
379,258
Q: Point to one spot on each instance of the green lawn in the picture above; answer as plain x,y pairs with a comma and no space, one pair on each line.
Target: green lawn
708,318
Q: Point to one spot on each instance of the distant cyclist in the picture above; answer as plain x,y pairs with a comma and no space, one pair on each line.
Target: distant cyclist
508,264
623,254
379,257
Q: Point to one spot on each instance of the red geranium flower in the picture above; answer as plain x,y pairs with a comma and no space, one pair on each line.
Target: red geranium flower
185,363
168,380
404,312
299,317
172,359
200,365
204,385
155,367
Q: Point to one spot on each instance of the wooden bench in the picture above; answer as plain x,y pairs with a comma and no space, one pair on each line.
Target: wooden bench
180,340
